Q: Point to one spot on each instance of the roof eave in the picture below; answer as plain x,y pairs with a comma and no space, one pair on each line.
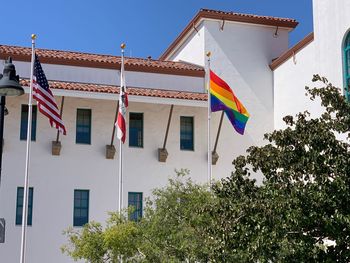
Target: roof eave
292,51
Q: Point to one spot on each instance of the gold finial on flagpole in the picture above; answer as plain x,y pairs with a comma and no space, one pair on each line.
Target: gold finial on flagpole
33,36
122,46
208,54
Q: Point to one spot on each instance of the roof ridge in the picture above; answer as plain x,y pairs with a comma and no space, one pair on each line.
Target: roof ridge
76,58
97,54
246,14
56,50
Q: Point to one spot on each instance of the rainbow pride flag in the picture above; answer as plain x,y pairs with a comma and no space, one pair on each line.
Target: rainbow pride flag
222,98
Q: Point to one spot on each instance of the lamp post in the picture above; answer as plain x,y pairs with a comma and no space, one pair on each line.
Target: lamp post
9,86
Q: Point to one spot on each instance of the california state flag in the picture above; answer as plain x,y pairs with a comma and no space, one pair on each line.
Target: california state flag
123,104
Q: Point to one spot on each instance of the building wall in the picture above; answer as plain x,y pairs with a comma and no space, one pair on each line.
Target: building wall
241,54
192,50
54,178
290,80
331,23
324,56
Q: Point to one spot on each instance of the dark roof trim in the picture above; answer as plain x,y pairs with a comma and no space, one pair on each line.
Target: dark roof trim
292,51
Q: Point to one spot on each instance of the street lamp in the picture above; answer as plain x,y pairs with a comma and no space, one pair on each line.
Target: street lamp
9,86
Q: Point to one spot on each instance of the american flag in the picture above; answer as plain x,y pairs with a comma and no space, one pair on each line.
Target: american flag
45,99
123,104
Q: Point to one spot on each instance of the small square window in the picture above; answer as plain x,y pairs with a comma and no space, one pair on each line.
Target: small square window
186,133
136,129
83,130
19,206
135,201
81,207
24,122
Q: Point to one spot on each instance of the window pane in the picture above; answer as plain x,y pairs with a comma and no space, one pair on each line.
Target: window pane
347,65
83,213
19,206
347,41
136,129
24,122
186,133
135,201
77,202
84,195
84,203
81,207
83,129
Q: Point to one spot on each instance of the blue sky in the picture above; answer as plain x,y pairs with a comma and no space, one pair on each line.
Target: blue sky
147,26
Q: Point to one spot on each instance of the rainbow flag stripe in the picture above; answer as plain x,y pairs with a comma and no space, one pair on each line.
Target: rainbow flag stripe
222,98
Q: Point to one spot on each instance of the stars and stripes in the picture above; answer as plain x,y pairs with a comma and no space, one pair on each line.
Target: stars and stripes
45,99
123,104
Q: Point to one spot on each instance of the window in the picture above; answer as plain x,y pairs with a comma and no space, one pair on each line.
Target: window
186,133
19,206
136,129
81,207
135,201
24,122
83,126
347,65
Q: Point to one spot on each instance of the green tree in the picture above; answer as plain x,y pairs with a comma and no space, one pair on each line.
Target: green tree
172,229
97,244
175,220
301,212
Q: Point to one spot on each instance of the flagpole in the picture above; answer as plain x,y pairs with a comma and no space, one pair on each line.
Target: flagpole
26,175
120,205
209,117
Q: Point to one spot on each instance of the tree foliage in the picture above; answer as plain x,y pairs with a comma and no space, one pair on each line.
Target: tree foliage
303,205
172,229
98,244
300,213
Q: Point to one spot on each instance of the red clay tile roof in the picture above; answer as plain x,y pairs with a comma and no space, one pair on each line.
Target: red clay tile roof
74,86
265,20
101,61
229,16
292,51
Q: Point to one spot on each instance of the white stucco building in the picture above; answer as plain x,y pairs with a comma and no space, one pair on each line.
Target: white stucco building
80,184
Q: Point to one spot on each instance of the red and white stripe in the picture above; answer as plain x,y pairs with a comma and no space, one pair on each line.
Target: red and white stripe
47,106
123,104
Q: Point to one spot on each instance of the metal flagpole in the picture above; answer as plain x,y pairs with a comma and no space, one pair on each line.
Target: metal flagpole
209,117
120,205
121,104
120,176
26,175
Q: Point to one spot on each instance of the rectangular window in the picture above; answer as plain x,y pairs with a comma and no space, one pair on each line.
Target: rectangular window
81,207
186,133
136,129
24,122
83,126
135,201
19,206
